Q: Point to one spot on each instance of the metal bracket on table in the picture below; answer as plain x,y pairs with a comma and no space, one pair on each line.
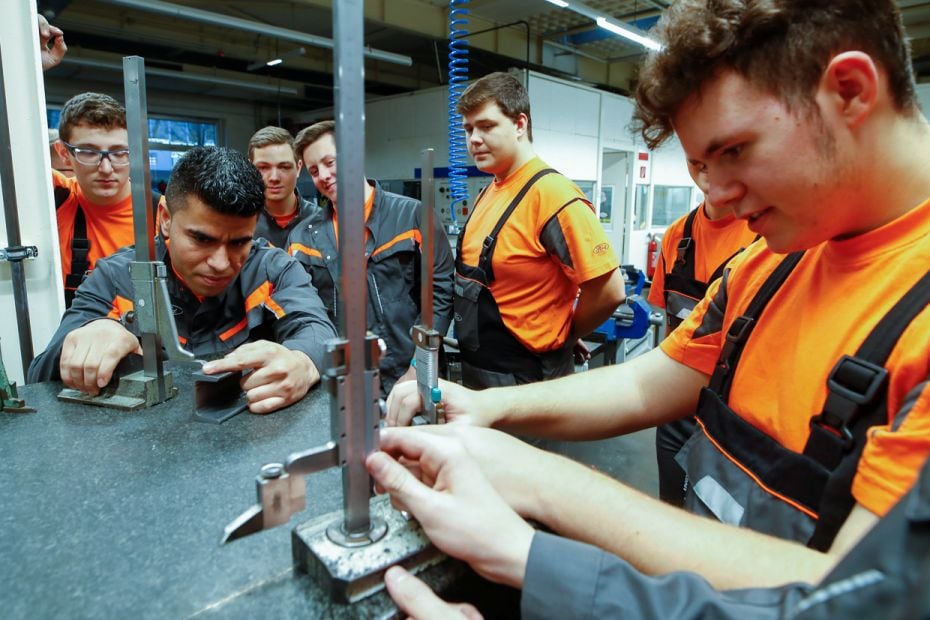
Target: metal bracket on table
10,402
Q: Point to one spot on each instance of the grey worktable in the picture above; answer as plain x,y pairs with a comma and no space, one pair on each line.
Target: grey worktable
111,514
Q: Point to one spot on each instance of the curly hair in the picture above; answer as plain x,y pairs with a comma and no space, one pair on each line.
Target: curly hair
780,46
223,179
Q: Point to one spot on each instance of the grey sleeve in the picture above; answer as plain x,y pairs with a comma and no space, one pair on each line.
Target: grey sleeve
305,326
443,280
93,300
569,579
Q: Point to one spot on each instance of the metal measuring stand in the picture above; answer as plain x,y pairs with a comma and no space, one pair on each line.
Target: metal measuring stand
352,548
151,303
425,337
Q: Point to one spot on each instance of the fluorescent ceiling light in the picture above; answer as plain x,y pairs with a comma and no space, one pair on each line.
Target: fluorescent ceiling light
559,3
627,33
276,61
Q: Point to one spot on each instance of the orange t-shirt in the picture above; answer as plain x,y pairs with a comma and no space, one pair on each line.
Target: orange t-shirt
714,242
838,292
535,287
109,228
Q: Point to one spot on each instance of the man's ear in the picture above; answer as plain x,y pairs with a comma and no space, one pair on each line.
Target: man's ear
300,165
850,86
63,153
164,218
522,123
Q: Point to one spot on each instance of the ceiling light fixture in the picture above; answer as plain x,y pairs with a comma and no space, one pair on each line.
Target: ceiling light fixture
628,33
297,51
559,3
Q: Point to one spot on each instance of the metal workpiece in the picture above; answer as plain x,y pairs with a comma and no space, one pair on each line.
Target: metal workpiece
218,397
353,576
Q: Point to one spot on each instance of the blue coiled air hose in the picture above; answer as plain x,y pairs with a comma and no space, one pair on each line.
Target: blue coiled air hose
458,76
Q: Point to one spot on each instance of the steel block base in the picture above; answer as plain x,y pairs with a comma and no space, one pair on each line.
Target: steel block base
353,573
132,392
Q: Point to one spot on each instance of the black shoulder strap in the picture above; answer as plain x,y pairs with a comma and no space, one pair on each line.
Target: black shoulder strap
80,246
718,272
742,327
490,242
856,401
684,259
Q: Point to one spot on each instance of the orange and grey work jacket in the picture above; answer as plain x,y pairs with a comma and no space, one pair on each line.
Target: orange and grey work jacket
392,246
271,299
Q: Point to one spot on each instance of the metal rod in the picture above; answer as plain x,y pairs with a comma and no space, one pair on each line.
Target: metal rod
427,247
237,23
186,76
137,125
14,238
350,147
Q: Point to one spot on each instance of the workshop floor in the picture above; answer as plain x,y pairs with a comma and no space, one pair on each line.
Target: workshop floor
630,458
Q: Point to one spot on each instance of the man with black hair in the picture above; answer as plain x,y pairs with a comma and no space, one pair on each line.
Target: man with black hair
246,303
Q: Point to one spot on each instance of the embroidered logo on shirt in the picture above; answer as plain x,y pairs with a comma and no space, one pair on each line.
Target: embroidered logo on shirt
601,248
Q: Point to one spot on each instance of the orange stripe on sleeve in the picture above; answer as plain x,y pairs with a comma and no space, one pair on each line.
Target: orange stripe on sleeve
262,297
235,329
121,306
410,234
299,247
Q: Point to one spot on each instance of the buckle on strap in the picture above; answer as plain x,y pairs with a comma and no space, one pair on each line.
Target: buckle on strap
856,379
736,336
683,246
852,383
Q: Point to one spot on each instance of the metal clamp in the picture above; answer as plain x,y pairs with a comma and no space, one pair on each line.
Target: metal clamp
18,253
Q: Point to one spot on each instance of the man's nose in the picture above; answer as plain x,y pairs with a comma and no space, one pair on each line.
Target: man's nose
218,260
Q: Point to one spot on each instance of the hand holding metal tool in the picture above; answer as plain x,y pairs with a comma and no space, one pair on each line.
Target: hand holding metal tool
427,339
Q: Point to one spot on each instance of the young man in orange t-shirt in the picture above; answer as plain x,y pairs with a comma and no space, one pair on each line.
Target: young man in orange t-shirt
93,204
807,362
550,276
695,250
271,150
94,207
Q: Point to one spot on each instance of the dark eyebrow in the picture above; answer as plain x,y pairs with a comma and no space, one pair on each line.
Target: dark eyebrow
241,239
201,235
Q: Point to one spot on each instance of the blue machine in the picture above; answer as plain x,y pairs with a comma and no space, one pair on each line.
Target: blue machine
630,320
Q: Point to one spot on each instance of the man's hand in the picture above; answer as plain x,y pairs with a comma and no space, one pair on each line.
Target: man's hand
51,44
458,508
279,377
90,353
581,352
461,404
419,602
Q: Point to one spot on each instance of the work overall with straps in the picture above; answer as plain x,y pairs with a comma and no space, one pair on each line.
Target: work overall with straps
742,476
491,355
682,293
80,247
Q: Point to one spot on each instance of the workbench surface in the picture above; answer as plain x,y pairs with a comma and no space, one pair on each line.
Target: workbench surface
119,514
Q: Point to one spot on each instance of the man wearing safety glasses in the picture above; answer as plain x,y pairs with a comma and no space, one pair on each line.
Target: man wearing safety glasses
94,208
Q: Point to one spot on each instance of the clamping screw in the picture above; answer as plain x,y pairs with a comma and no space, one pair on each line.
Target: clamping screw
272,471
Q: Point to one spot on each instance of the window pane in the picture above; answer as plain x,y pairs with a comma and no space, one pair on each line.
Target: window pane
639,207
669,204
